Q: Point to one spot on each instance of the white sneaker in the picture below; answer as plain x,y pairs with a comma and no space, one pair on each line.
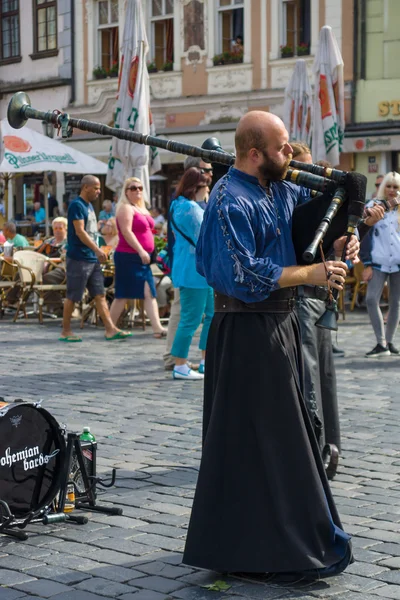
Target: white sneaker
191,375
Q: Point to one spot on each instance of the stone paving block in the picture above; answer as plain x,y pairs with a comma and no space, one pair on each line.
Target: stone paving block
366,569
8,577
164,569
171,509
159,584
115,573
79,595
58,573
19,563
387,548
388,591
145,595
391,563
105,587
11,594
43,589
126,546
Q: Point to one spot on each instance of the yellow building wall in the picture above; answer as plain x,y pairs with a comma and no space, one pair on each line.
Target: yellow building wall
371,95
361,166
383,39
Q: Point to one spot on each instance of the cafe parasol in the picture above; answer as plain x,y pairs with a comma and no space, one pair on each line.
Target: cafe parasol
26,151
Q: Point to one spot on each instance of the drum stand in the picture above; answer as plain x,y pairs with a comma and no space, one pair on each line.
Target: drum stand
85,493
85,498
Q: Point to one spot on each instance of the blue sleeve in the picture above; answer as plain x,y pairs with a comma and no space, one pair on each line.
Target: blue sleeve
303,196
366,248
76,212
228,260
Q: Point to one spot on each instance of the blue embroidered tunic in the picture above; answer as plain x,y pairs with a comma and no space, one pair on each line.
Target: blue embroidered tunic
245,239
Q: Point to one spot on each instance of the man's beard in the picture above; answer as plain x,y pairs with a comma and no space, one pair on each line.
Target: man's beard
271,171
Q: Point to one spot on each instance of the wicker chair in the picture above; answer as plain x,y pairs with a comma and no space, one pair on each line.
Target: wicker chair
31,267
8,280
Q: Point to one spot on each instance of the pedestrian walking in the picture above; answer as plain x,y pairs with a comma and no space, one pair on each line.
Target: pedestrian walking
83,262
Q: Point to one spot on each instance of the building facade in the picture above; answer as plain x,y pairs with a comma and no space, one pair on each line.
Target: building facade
373,133
36,56
210,62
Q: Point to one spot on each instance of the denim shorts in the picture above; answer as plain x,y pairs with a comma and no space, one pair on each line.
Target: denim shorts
82,274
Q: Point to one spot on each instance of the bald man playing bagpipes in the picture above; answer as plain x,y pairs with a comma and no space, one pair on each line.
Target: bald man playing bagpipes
263,502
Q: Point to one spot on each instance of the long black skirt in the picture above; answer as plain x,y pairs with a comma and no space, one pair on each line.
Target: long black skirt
262,502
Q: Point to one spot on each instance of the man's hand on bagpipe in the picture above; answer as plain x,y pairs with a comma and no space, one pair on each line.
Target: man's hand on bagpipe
352,248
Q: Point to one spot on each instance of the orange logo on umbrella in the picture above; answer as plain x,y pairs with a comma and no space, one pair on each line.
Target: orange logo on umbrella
133,76
324,97
16,144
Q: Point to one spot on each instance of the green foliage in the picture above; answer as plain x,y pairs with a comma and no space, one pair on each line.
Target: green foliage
152,67
286,51
167,66
228,58
218,586
99,72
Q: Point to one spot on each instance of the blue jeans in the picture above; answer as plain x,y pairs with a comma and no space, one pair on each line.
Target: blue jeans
194,304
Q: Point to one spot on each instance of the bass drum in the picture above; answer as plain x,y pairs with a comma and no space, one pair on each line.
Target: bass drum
32,455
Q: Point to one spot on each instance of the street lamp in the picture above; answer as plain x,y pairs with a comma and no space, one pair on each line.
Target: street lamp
48,131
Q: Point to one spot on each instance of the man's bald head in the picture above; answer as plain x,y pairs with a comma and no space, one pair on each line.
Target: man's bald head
255,129
89,180
262,146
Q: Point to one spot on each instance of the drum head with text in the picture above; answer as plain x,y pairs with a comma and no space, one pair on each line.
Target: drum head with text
32,451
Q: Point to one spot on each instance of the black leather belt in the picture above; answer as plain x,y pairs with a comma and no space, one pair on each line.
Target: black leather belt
280,301
317,292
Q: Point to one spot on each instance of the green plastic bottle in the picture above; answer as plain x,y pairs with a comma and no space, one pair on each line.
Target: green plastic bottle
86,436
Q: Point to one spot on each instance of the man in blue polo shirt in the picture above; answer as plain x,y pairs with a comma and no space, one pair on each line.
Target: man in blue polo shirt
83,262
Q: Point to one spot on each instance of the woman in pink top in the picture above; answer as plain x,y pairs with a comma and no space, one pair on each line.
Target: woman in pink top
133,276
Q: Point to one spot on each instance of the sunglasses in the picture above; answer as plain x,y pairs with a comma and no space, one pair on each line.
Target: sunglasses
135,188
395,187
206,170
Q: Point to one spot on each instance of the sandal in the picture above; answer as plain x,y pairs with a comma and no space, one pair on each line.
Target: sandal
70,338
161,334
120,335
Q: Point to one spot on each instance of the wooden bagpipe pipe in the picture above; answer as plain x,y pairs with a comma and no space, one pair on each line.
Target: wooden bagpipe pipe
335,211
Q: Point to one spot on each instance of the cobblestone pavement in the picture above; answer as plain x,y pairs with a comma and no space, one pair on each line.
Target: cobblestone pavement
148,427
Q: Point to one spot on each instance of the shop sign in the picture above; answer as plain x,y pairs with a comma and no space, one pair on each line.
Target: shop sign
372,144
387,108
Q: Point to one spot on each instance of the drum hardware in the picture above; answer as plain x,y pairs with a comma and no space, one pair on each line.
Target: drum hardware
330,457
76,473
36,466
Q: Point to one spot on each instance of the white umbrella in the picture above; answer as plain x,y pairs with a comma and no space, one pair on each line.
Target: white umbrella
133,106
24,150
298,103
27,151
328,114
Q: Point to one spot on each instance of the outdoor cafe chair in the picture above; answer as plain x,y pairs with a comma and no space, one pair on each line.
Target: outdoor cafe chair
31,267
8,280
